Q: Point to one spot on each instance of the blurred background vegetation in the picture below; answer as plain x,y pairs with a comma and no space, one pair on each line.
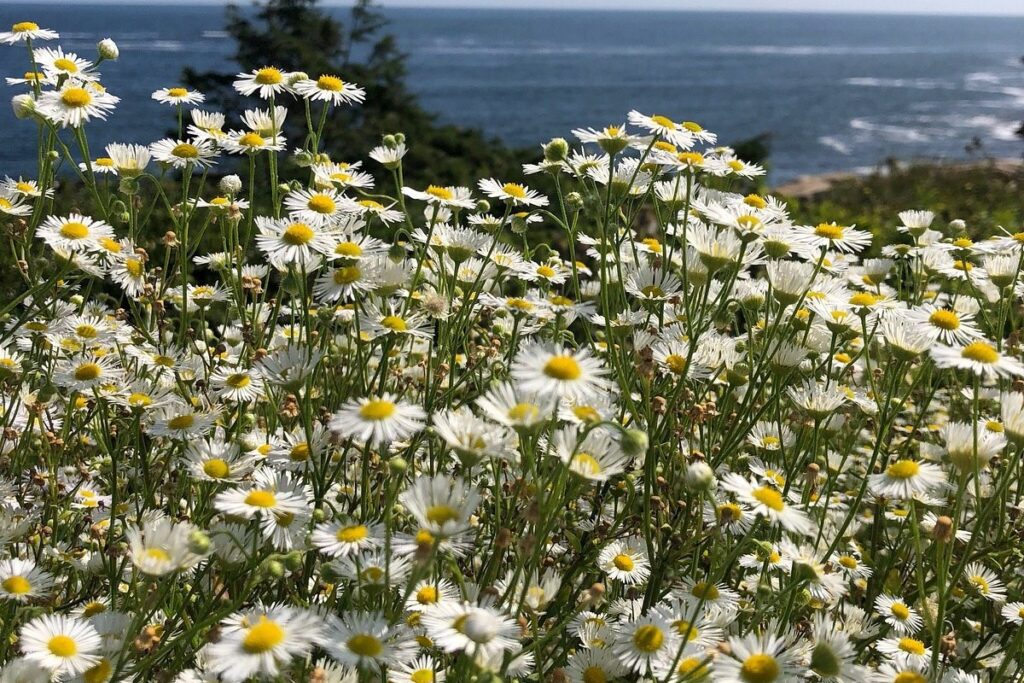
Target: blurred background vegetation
297,35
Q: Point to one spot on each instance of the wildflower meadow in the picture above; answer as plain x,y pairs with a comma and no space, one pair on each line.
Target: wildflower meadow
270,415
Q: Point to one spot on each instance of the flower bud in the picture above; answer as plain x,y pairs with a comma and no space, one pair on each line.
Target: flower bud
275,568
230,184
24,105
699,476
634,442
398,465
957,226
389,141
574,200
556,150
199,542
483,206
107,49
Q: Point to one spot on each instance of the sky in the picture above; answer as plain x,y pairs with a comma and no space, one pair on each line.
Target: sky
966,7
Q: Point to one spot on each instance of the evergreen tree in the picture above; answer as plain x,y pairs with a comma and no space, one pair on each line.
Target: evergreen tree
297,35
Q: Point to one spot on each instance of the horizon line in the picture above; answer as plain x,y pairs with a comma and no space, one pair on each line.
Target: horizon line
530,6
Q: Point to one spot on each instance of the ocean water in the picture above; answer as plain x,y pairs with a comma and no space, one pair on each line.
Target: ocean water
835,91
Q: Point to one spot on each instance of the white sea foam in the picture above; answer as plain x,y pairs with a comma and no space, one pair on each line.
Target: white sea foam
833,142
811,50
911,83
889,132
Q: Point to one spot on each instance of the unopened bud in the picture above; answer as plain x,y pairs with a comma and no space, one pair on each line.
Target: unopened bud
556,150
231,184
634,442
198,542
24,105
699,476
108,50
943,530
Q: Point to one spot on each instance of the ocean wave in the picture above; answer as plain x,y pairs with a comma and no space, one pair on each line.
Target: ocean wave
888,131
812,50
832,142
527,50
215,34
911,83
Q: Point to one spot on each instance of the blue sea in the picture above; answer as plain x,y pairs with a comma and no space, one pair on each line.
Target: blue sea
836,92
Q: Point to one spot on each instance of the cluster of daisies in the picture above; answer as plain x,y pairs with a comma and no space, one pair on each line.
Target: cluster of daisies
636,427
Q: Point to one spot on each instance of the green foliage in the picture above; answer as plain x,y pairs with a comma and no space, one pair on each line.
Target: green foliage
987,194
300,36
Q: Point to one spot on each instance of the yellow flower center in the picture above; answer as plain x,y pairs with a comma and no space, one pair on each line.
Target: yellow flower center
65,64
352,534
350,249
648,638
299,452
62,646
99,673
74,231
260,498
377,409
394,323
563,368
911,645
365,645
664,121
157,554
426,595
440,192
264,636
514,190
441,514
330,83
422,676
757,201
759,668
980,352
269,76
181,422
909,677
691,158
523,411
139,400
24,27
88,372
17,585
848,562
216,468
899,610
748,222
251,140
594,674
76,97
864,299
177,92
829,231
297,234
185,150
585,463
370,204
676,363
346,275
769,497
239,380
321,203
945,320
624,563
687,630
903,469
